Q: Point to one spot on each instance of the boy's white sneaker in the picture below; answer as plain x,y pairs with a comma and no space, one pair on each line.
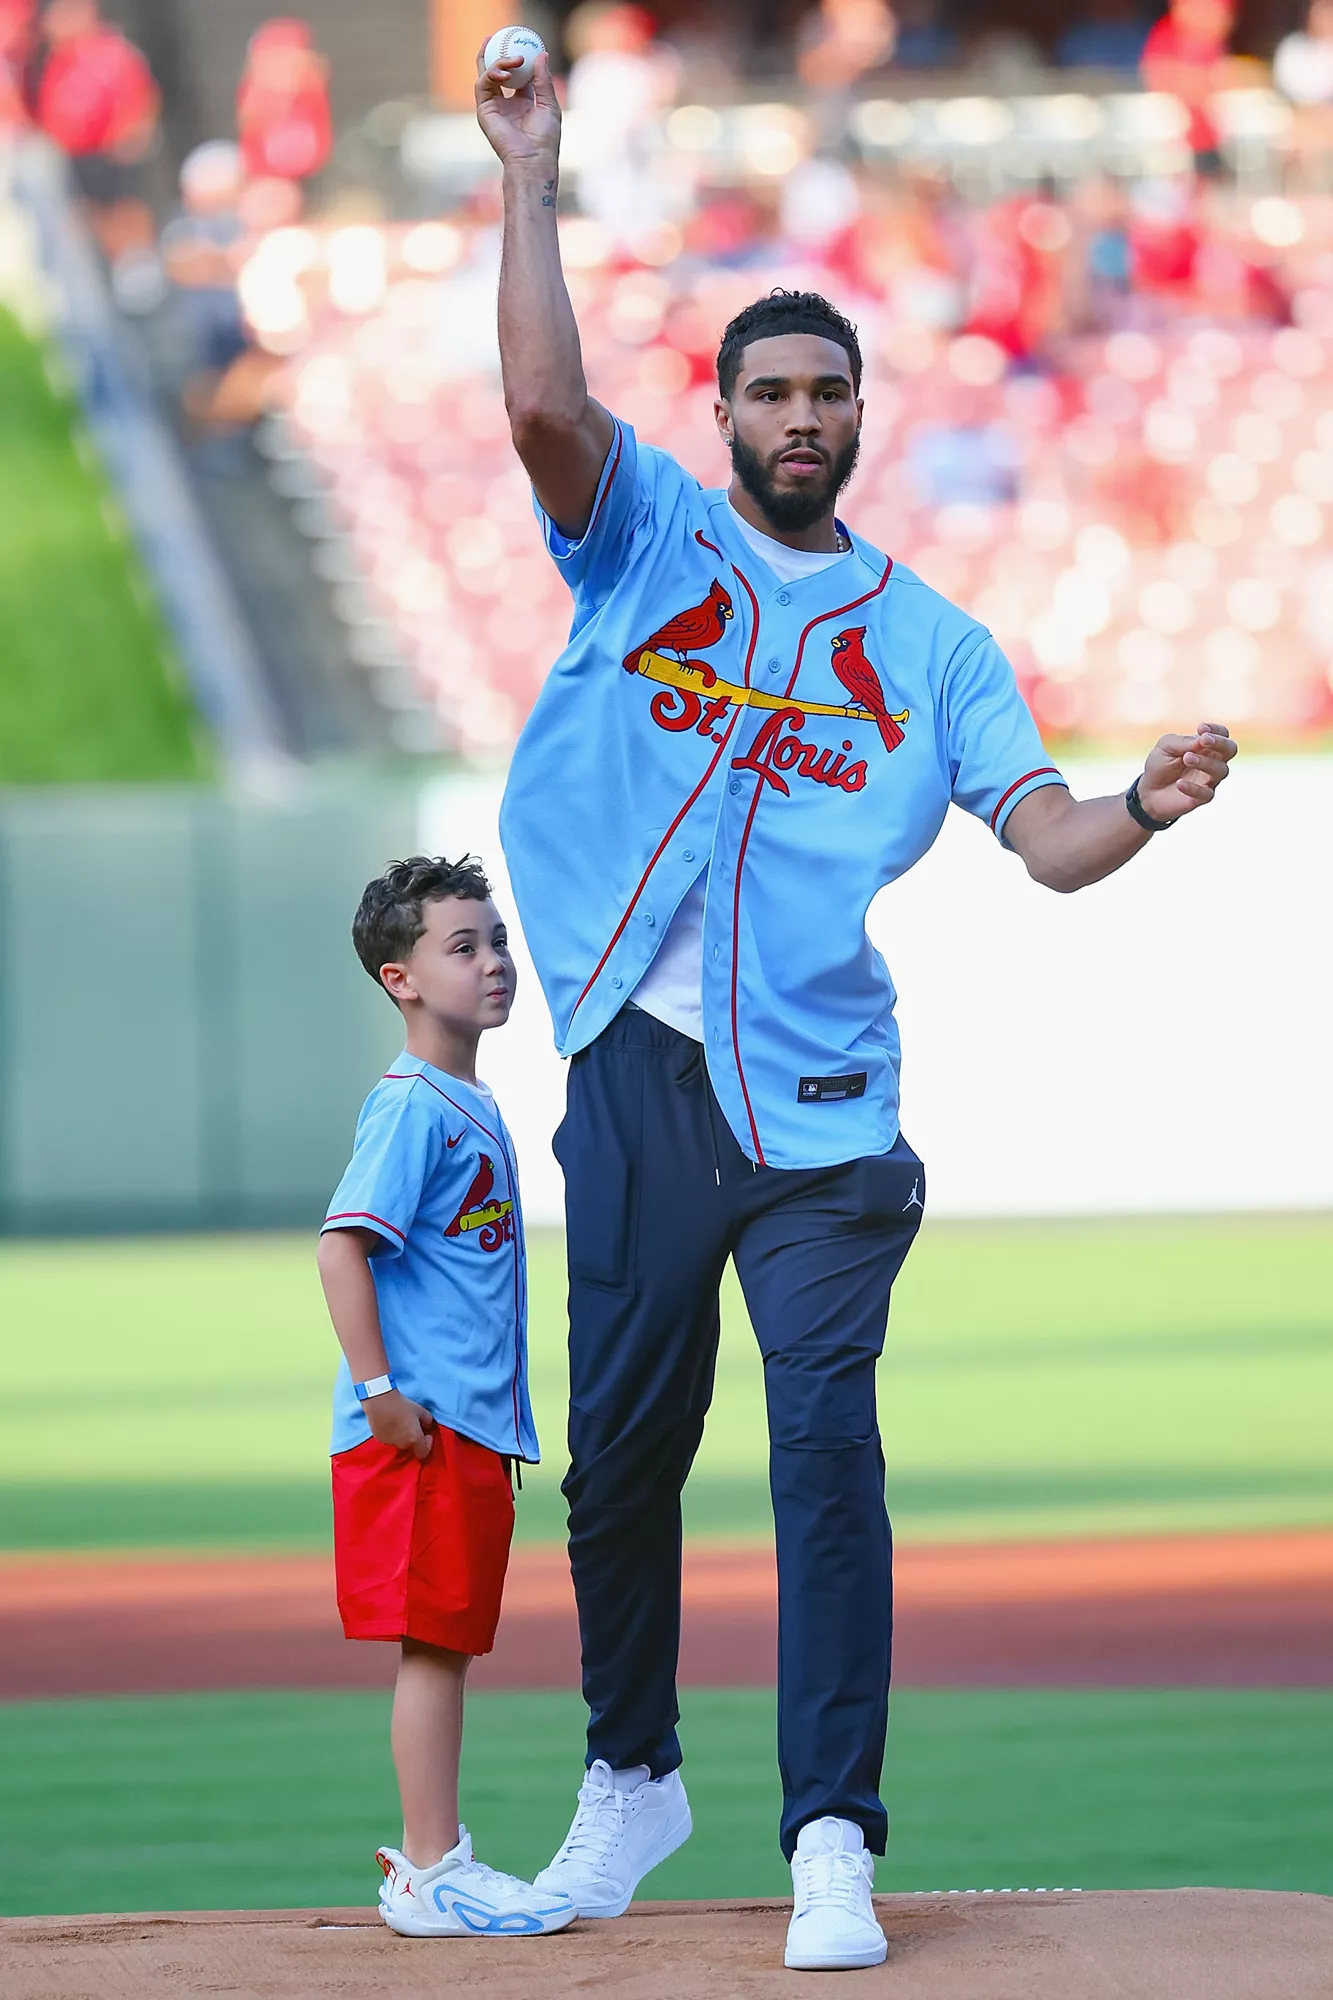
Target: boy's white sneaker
619,1832
460,1897
833,1926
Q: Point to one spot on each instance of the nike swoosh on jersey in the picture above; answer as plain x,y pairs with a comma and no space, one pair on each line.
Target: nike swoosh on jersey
451,1143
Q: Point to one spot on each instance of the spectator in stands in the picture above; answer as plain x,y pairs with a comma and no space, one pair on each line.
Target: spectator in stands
1016,280
1303,72
1008,55
1165,232
911,247
621,82
1303,64
975,460
1186,55
1109,34
92,93
16,27
282,106
1101,279
842,41
226,377
923,40
820,203
200,249
732,226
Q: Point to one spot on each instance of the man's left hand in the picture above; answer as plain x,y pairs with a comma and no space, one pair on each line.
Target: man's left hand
1184,772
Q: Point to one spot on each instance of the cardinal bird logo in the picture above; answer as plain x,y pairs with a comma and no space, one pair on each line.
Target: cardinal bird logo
702,625
494,1219
863,684
476,1196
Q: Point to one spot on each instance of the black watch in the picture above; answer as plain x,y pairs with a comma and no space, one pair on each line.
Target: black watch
1141,817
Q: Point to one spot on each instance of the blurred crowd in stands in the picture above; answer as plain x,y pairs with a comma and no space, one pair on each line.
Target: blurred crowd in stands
1099,337
71,75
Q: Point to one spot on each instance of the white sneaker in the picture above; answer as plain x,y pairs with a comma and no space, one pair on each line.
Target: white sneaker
615,1838
833,1925
460,1897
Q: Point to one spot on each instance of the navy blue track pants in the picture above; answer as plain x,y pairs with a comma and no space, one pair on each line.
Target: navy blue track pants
658,1196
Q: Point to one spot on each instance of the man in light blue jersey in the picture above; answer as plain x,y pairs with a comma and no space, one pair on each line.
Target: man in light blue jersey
759,721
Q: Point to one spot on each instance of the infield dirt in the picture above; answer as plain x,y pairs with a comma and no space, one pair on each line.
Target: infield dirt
1241,1610
1183,1944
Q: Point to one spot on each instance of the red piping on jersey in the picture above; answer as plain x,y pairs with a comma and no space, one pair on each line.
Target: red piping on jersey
839,611
415,1076
735,972
1042,771
363,1215
736,900
690,802
824,616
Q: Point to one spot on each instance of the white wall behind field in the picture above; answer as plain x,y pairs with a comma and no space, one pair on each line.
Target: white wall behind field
1163,1041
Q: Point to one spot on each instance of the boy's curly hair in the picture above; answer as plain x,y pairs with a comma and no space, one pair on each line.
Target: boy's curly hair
389,917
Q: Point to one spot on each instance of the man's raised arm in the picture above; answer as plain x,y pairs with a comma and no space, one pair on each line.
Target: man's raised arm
559,432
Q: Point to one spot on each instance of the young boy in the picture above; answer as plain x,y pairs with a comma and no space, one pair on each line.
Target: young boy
422,1264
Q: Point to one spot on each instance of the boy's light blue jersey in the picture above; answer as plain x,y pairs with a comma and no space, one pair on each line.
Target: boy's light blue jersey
801,742
432,1173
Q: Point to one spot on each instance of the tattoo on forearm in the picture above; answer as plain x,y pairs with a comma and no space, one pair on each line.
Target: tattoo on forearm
548,194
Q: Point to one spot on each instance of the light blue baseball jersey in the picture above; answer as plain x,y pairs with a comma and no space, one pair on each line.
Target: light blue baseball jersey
801,742
432,1173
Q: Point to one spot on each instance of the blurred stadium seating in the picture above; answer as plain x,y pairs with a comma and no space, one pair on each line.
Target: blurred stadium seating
1139,514
1099,399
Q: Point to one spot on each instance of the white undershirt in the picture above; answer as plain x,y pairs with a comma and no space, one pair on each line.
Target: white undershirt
672,987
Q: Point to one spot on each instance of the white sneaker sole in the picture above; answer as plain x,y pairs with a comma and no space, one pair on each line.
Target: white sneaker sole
672,1836
842,1961
423,1927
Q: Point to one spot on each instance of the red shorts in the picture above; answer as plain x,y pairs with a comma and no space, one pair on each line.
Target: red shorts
421,1545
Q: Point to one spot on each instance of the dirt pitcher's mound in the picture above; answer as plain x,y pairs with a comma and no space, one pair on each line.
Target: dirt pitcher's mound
1179,1944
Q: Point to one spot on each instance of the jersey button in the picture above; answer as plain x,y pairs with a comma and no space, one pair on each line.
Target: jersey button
775,666
649,919
734,787
687,854
617,983
784,598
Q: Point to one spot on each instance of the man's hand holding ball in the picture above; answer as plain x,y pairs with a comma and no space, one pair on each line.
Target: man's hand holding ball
516,101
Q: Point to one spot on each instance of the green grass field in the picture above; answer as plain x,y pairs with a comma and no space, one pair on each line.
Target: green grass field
90,690
1039,1380
279,1800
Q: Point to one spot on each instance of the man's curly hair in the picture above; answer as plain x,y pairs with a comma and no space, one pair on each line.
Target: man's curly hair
785,312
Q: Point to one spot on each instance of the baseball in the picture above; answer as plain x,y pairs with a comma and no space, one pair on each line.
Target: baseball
515,42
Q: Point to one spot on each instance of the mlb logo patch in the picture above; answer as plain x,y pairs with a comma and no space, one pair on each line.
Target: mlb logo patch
830,1089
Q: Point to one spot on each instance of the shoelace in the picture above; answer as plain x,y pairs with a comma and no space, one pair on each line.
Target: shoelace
597,1827
831,1880
496,1875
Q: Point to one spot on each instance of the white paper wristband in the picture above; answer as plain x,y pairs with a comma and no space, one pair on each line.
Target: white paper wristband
378,1385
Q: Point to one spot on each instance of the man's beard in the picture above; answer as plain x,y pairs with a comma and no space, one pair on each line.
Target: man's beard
788,510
